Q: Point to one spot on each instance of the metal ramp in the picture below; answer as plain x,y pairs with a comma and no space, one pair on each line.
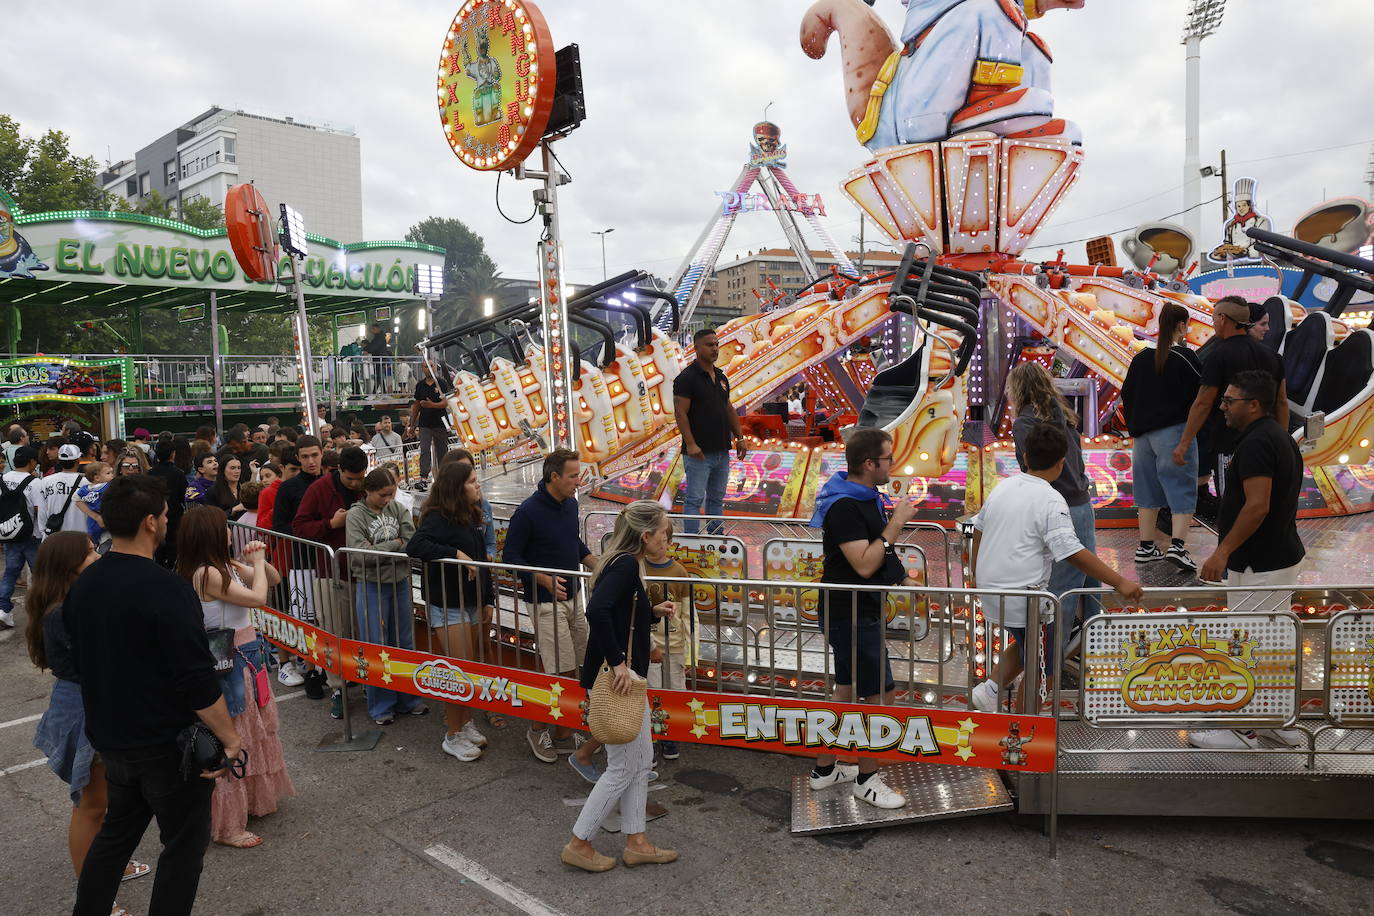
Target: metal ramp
933,792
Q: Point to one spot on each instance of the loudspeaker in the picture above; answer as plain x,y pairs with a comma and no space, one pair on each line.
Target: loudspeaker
569,103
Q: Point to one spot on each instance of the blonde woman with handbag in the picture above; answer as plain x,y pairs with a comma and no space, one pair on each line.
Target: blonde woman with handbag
615,671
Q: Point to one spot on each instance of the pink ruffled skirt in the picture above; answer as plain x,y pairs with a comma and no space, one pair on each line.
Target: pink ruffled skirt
257,793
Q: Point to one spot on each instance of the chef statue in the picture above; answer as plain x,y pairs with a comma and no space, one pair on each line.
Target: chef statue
1239,246
960,66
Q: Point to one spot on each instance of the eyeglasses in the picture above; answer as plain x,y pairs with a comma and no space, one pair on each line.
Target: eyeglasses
1228,401
128,467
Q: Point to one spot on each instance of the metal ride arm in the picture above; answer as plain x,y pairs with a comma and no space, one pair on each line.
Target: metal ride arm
1352,274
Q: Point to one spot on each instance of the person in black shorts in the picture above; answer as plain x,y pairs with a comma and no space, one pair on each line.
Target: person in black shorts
856,538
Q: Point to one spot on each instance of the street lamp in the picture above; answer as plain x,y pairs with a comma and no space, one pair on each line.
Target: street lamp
1203,19
603,233
488,307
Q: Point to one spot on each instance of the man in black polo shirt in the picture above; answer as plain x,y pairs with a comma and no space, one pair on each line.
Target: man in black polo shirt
1235,351
427,418
856,537
708,423
146,673
1257,524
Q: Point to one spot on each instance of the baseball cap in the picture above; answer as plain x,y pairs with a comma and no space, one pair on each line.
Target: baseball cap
69,452
1238,313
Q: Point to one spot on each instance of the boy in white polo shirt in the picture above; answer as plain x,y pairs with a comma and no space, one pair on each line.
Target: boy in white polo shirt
1023,529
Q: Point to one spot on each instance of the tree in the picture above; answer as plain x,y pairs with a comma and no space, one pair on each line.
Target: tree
14,154
52,178
202,214
153,204
470,275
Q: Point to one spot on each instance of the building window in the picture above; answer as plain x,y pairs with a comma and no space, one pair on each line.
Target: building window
131,188
230,149
144,183
169,168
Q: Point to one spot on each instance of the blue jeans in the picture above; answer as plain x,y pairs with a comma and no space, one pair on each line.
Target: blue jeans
706,480
384,608
1064,576
1158,481
16,555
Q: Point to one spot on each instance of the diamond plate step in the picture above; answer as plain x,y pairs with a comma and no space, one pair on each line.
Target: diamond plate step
932,791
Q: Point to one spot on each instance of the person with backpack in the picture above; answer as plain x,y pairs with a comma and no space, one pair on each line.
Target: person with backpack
57,507
19,502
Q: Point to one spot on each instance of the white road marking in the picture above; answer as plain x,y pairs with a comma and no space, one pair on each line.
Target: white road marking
22,721
24,766
479,875
19,768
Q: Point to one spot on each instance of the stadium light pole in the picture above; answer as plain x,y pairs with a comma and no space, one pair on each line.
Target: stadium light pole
1203,19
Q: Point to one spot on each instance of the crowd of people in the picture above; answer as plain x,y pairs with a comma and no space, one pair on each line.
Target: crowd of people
99,524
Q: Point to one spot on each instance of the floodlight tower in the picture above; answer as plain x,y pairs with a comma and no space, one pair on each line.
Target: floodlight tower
1204,18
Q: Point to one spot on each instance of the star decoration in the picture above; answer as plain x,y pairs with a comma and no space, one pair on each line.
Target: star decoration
312,645
695,705
964,752
555,712
967,725
699,730
556,690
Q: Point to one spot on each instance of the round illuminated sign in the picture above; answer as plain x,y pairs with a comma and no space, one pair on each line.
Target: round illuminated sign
496,82
248,222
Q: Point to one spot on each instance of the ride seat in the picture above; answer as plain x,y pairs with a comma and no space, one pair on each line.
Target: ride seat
1280,322
1304,357
1348,371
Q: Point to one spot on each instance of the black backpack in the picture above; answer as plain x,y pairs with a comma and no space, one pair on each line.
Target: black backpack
16,524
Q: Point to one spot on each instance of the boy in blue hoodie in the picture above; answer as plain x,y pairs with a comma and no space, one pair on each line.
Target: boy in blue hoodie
857,535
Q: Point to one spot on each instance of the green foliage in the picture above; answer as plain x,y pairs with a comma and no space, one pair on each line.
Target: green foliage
470,275
202,214
154,204
44,174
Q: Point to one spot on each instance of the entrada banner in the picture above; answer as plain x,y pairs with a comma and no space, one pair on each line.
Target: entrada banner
761,723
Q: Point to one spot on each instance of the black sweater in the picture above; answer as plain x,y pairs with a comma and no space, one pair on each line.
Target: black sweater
1155,401
619,591
447,584
138,641
289,496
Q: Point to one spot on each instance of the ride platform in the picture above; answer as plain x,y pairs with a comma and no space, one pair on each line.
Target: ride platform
933,792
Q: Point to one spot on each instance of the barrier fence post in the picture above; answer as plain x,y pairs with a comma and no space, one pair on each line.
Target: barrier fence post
334,596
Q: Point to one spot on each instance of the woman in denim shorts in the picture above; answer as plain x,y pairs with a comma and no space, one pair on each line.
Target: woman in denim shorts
451,527
1159,390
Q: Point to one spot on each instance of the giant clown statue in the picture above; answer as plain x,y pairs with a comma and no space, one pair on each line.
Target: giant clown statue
960,66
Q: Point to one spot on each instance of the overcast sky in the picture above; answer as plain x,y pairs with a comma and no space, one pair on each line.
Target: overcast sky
673,89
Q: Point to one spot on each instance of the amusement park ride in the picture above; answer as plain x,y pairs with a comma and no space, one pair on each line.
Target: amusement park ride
961,172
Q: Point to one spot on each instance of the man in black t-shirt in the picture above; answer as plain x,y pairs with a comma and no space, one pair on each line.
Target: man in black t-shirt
175,481
709,425
427,418
146,673
856,539
378,349
1257,526
1234,352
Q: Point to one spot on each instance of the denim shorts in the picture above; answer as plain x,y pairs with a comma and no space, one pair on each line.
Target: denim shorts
452,616
1157,480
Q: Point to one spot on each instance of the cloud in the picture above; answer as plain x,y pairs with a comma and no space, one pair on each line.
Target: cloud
672,92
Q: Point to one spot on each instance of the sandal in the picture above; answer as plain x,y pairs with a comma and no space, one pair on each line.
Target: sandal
496,720
135,870
118,910
244,840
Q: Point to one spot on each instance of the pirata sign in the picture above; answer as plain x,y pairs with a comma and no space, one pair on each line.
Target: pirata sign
765,723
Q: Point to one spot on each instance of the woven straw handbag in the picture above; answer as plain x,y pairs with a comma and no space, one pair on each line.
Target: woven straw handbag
616,718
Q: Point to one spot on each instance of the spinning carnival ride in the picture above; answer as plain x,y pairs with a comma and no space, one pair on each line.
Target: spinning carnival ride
964,172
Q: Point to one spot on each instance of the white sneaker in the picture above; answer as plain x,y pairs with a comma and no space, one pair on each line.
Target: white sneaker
459,746
6,619
877,794
1223,739
473,736
985,697
843,772
289,675
1293,737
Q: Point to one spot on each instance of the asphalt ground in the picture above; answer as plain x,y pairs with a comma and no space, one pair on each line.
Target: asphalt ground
405,829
